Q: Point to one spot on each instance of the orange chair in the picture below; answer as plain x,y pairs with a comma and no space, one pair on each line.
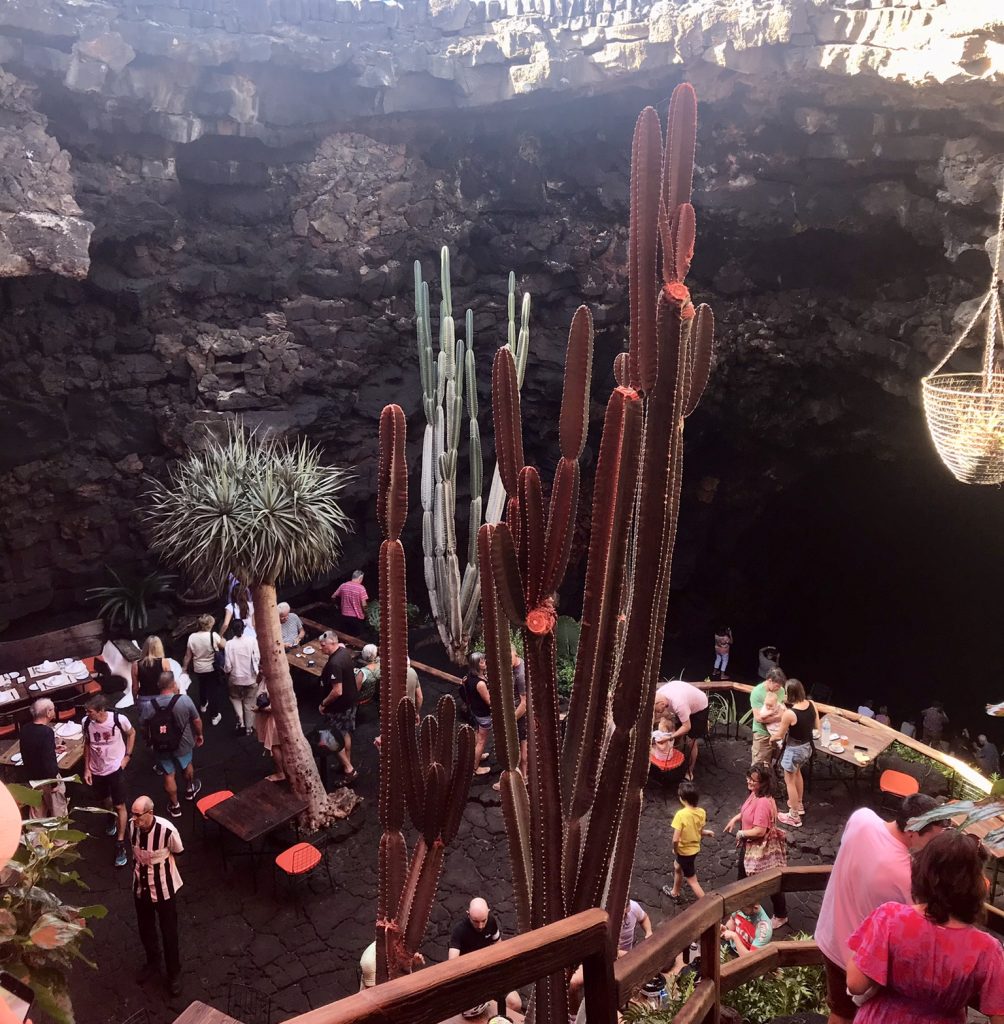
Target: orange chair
300,860
666,768
8,726
66,709
898,784
211,800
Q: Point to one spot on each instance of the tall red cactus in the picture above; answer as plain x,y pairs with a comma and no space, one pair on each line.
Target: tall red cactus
573,823
419,770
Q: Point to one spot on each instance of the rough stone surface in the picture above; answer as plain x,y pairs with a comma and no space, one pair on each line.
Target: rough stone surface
237,160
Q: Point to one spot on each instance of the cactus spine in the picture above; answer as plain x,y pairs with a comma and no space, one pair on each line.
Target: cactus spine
573,825
425,769
448,378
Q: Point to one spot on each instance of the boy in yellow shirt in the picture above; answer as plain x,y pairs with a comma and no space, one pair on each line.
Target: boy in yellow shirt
688,829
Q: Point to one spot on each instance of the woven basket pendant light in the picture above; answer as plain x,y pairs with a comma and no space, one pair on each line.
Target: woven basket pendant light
965,411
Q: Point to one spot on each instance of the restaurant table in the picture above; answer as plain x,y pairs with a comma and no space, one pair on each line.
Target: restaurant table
73,753
255,812
858,735
202,1013
297,659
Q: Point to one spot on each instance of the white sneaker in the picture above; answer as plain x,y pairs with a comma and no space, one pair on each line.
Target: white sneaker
217,718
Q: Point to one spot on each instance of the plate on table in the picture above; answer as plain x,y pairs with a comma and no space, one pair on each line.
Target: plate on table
861,757
69,730
308,650
837,748
15,758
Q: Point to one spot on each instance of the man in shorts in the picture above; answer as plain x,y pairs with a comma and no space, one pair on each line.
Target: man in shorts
339,695
689,705
872,868
108,741
173,731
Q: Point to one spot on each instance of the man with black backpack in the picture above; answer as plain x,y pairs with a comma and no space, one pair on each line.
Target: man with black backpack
173,729
108,741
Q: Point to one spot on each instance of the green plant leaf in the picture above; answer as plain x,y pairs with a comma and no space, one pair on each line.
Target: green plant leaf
25,795
95,911
66,835
51,931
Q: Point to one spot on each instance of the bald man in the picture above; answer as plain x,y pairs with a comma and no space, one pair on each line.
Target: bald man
479,930
155,842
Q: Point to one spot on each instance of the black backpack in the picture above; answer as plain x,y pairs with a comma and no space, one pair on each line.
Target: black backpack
163,734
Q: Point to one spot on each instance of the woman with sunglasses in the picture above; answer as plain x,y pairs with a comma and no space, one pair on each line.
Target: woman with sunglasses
926,963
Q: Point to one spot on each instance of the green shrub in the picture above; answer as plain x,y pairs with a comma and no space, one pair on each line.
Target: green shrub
373,615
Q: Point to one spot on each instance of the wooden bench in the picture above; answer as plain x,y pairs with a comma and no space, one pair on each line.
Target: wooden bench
82,641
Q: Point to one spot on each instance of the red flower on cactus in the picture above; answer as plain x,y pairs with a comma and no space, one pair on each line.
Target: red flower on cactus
677,291
542,620
688,312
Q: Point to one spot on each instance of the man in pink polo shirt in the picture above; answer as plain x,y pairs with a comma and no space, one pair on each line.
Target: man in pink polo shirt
352,600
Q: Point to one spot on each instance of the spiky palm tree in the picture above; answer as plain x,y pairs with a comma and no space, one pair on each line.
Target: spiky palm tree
264,510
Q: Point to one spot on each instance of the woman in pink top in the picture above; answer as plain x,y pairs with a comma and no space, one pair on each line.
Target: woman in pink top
927,962
757,815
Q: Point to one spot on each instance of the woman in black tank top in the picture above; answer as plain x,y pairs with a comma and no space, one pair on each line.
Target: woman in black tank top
479,703
146,672
798,720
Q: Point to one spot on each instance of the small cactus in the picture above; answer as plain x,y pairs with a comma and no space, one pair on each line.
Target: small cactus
449,383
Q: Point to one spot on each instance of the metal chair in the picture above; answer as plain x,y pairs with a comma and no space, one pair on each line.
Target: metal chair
300,860
897,784
248,1005
67,707
209,801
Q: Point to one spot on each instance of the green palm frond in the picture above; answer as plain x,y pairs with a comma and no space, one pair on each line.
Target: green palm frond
127,600
262,508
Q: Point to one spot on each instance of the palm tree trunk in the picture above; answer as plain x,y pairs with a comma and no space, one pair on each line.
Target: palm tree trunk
298,762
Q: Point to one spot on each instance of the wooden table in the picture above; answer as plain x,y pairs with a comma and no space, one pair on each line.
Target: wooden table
297,659
70,757
202,1013
858,735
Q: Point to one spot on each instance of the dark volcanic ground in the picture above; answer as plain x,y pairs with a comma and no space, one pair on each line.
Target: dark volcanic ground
302,946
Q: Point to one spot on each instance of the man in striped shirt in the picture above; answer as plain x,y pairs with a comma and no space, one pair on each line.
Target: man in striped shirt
156,881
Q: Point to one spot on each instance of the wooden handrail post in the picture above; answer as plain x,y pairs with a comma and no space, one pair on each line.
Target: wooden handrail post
599,987
711,967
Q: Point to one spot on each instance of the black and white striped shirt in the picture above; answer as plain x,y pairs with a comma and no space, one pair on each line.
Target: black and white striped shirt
155,873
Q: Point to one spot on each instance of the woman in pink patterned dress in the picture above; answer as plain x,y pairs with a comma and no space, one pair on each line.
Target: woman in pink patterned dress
924,964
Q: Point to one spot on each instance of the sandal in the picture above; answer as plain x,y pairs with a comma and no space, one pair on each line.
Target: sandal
689,777
351,776
677,898
483,770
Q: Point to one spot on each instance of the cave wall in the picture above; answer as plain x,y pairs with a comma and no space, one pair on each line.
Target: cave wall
249,183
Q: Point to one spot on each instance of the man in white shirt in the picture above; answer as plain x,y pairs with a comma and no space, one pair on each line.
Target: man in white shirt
689,705
108,741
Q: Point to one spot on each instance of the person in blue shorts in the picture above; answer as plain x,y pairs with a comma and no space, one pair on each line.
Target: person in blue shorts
173,729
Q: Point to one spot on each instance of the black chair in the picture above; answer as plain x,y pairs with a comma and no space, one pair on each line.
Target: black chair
248,1005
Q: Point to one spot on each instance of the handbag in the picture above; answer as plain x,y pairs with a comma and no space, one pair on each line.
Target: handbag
770,851
219,657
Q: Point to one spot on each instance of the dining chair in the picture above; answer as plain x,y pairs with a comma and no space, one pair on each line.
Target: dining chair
209,801
67,707
299,861
248,1005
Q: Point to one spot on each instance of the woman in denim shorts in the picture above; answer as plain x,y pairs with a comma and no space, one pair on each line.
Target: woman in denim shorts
798,720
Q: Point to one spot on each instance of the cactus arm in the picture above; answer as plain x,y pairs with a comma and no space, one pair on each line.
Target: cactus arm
683,228
531,549
446,716
497,643
643,232
506,575
427,741
613,497
393,861
460,783
701,347
516,811
435,801
574,417
420,907
444,279
681,143
505,410
393,645
560,523
620,369
523,341
414,788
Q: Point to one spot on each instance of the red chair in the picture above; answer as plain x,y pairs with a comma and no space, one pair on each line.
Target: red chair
666,768
299,860
66,708
898,783
209,801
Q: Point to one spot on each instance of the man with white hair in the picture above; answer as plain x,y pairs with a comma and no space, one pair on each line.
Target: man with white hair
290,625
38,755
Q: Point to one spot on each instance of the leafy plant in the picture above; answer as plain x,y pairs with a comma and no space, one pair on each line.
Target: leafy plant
781,993
373,615
40,935
905,753
128,599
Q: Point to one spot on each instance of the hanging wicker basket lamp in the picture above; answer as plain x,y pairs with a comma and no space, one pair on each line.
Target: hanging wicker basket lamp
965,411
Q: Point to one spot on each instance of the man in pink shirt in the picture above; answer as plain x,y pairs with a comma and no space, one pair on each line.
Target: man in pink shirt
352,600
690,706
872,868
